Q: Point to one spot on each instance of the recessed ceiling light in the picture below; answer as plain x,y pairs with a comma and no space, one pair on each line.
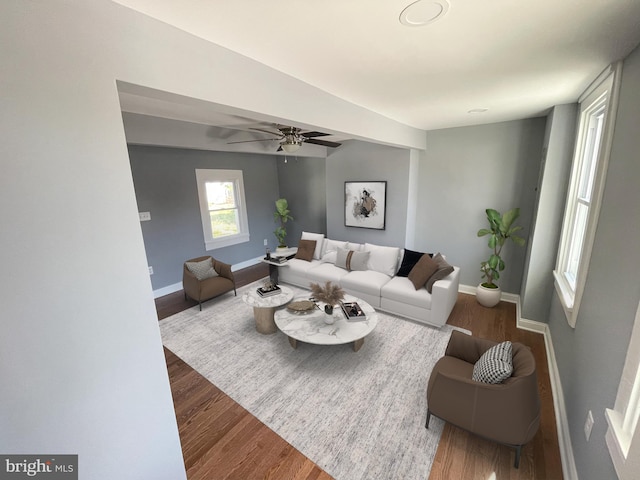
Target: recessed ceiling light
478,110
423,12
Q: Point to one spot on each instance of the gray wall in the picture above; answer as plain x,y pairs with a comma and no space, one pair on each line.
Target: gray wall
165,185
360,161
463,172
303,184
591,356
537,283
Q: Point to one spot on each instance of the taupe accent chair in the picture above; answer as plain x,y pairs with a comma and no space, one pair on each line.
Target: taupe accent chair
507,412
208,288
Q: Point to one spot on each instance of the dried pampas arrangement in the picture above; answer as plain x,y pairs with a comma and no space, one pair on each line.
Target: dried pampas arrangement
330,294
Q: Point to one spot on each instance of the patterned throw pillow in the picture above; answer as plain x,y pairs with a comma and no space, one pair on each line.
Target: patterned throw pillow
495,365
203,269
350,260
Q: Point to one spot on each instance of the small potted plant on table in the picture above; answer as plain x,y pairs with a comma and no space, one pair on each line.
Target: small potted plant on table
500,230
330,295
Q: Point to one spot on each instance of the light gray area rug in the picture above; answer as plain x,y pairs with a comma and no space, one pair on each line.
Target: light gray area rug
358,415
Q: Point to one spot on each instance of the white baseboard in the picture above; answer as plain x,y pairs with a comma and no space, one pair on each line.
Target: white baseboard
161,292
569,470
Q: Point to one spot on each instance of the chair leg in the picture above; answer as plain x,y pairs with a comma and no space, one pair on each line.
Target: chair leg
518,452
426,425
200,303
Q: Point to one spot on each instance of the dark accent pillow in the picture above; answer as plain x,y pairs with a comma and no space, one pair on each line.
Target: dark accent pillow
409,260
422,271
444,269
306,249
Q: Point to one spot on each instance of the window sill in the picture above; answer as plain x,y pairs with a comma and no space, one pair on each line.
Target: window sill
566,296
226,241
618,441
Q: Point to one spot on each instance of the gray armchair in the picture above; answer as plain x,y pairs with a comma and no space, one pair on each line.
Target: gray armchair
508,412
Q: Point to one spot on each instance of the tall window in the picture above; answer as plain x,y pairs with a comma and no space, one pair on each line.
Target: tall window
222,207
591,156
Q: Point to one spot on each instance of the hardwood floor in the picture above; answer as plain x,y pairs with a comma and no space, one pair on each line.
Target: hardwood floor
221,440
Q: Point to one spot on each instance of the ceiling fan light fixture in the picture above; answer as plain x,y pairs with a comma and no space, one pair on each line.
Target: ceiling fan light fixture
290,147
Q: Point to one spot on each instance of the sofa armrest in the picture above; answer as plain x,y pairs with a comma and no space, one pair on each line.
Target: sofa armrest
444,296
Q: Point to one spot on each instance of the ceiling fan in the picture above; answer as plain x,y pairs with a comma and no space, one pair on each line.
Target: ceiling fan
291,138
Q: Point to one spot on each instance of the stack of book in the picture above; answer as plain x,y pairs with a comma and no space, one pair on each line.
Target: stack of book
267,292
277,259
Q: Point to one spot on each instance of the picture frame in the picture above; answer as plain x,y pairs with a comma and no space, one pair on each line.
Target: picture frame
365,204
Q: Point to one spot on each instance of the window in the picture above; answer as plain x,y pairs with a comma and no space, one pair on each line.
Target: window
591,156
222,207
622,420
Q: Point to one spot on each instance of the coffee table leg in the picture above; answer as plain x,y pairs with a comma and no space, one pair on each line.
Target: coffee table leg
265,323
293,342
357,345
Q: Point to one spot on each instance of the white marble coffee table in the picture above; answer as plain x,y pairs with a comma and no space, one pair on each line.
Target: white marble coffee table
264,307
311,327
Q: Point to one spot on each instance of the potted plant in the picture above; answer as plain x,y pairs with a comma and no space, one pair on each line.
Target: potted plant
282,215
501,228
331,294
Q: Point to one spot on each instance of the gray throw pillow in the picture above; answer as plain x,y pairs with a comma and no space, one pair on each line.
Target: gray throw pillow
350,260
495,365
203,269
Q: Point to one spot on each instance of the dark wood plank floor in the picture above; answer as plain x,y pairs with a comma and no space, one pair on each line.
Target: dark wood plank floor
221,440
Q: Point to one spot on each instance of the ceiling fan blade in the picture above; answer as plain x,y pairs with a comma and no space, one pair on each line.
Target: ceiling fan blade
314,134
324,143
279,149
267,131
261,140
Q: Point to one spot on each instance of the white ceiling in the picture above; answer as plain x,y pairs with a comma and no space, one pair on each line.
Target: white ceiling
516,58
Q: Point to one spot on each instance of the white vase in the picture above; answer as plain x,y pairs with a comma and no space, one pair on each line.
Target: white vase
488,297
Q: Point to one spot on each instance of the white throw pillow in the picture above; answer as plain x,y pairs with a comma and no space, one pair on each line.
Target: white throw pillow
383,259
318,237
332,246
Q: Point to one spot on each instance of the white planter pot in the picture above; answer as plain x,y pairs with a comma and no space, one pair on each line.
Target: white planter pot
488,297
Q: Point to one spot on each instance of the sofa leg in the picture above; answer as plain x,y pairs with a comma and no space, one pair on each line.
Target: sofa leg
426,425
518,452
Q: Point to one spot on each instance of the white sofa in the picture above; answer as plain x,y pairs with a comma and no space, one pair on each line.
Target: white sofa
378,285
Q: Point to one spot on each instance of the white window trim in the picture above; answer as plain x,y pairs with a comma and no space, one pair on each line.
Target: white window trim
211,175
623,431
607,82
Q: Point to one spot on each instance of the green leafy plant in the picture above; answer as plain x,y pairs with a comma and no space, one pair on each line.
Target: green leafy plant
282,215
501,228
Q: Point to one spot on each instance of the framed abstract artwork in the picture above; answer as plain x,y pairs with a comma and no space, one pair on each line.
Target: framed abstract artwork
365,204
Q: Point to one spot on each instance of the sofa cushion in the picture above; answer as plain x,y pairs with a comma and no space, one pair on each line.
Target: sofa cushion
306,249
325,272
422,271
495,365
350,260
382,259
409,259
400,289
319,238
369,282
444,269
203,269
